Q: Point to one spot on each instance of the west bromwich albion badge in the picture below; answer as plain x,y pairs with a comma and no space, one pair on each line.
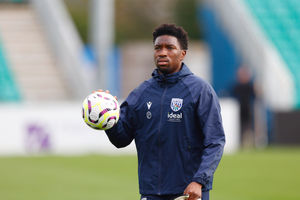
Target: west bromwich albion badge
176,104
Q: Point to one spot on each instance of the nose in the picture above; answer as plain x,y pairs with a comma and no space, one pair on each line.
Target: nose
162,52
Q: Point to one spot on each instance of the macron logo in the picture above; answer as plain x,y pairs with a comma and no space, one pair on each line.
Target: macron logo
149,105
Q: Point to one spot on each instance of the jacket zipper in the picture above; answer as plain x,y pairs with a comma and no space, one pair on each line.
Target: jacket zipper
159,140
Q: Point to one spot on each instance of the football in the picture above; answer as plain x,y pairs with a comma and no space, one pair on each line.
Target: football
100,110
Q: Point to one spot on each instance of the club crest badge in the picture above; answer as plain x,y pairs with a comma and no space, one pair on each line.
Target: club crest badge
176,104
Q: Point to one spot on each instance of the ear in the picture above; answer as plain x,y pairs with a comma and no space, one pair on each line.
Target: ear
182,55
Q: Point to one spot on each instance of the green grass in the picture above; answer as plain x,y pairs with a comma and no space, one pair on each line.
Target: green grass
66,178
249,175
272,174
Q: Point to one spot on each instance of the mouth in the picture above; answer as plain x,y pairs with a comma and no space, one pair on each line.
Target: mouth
162,62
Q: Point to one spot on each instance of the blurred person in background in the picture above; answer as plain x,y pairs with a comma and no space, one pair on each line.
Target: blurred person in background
244,92
174,118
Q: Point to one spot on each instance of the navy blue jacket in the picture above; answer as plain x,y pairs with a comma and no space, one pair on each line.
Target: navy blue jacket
177,127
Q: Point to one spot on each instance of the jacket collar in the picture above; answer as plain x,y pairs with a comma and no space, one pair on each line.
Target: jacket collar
171,78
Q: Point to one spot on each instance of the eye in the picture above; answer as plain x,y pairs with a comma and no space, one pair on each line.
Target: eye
156,47
170,47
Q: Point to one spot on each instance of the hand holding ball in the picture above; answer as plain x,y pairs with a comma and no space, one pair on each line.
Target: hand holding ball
100,110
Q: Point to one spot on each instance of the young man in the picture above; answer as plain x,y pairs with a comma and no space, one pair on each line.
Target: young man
175,120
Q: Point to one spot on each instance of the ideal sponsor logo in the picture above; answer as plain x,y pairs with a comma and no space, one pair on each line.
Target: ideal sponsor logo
173,117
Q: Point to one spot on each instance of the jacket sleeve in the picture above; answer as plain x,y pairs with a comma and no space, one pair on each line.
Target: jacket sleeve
209,115
122,133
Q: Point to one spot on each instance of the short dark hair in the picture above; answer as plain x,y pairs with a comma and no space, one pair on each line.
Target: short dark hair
173,30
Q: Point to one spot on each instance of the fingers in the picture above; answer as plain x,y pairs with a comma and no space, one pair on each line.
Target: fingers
193,197
194,190
100,90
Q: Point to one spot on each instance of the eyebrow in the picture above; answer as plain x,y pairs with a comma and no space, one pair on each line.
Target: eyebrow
168,45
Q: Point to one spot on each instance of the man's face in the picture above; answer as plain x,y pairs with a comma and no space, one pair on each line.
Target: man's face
168,54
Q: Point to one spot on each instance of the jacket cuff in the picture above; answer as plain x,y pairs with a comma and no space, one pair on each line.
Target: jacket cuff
111,130
203,181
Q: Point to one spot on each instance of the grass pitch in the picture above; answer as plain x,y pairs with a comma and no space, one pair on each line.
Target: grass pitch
269,174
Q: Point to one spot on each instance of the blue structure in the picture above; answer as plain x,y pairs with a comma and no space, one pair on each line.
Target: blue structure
225,60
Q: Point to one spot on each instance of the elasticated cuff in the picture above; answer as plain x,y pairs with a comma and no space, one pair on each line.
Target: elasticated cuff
205,182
